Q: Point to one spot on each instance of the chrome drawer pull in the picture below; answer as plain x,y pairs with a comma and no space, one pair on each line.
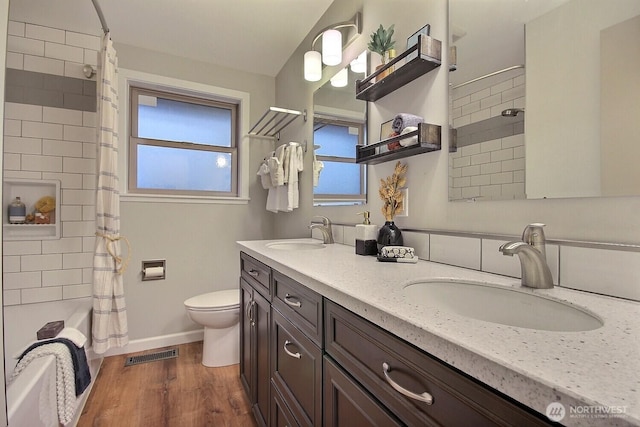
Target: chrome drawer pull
294,355
424,397
247,310
253,273
287,299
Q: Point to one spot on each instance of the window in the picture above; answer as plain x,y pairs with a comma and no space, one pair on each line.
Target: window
342,181
182,145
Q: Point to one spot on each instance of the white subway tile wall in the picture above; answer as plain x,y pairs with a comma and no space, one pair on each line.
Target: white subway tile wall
607,272
44,142
50,50
460,251
493,169
418,241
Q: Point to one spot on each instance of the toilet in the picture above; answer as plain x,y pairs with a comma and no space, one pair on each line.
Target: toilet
219,313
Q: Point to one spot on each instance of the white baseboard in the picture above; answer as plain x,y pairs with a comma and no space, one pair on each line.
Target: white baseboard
154,342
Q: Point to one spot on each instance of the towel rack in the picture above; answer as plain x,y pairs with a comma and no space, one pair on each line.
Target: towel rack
274,120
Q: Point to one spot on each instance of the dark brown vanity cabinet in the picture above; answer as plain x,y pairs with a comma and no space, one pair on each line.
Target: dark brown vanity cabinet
255,335
307,361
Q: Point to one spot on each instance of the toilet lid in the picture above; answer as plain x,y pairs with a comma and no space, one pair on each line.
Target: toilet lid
219,300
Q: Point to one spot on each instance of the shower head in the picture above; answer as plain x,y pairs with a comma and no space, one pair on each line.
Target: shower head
512,112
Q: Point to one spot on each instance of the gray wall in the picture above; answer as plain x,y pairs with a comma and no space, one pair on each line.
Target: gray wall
197,240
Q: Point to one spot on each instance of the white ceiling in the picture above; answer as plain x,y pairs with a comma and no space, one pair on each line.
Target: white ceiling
252,35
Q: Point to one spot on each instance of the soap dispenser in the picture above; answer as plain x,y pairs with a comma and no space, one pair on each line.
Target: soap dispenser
17,212
366,236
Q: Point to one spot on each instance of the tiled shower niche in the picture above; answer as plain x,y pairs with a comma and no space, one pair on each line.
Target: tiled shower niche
30,191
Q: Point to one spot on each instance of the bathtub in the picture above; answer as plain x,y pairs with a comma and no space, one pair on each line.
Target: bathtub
23,395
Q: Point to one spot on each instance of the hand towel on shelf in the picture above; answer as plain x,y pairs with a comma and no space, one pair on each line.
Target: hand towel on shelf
404,120
412,140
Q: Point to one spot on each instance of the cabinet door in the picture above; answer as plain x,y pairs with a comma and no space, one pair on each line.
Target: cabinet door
297,371
254,350
347,404
262,330
246,360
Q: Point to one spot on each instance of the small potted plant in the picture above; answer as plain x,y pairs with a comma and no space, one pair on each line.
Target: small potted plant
382,42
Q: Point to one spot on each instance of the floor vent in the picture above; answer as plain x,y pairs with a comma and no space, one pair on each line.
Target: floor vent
152,357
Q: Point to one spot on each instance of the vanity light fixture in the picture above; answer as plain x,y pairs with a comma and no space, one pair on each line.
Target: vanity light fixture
341,79
331,48
359,65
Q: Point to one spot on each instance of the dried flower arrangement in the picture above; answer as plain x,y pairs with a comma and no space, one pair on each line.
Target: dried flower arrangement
391,193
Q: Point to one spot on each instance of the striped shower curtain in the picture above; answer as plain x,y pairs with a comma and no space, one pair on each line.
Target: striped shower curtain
109,310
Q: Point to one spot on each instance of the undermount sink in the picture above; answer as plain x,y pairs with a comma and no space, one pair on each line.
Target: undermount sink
295,246
499,304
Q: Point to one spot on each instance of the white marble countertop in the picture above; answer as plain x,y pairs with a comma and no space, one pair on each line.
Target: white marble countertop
597,373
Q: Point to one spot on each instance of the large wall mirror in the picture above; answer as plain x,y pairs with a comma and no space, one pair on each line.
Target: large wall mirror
558,119
339,124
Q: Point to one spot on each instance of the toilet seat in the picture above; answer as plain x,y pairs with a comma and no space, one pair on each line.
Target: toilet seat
215,301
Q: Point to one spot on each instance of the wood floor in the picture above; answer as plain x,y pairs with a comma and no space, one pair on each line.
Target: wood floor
178,392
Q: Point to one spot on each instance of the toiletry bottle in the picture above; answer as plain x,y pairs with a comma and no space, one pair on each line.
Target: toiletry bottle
17,212
366,236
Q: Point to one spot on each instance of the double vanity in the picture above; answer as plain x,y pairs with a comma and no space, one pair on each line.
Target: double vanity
333,338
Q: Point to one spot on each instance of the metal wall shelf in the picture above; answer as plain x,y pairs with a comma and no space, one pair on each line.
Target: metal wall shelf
429,139
274,120
426,56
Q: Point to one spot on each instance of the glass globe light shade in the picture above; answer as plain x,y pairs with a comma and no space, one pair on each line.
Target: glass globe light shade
359,65
332,47
312,66
341,79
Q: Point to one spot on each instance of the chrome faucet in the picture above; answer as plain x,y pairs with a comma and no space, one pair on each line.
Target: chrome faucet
325,228
532,254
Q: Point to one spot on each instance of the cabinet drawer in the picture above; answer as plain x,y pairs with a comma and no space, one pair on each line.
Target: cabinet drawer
299,304
281,416
257,274
347,404
297,371
457,400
